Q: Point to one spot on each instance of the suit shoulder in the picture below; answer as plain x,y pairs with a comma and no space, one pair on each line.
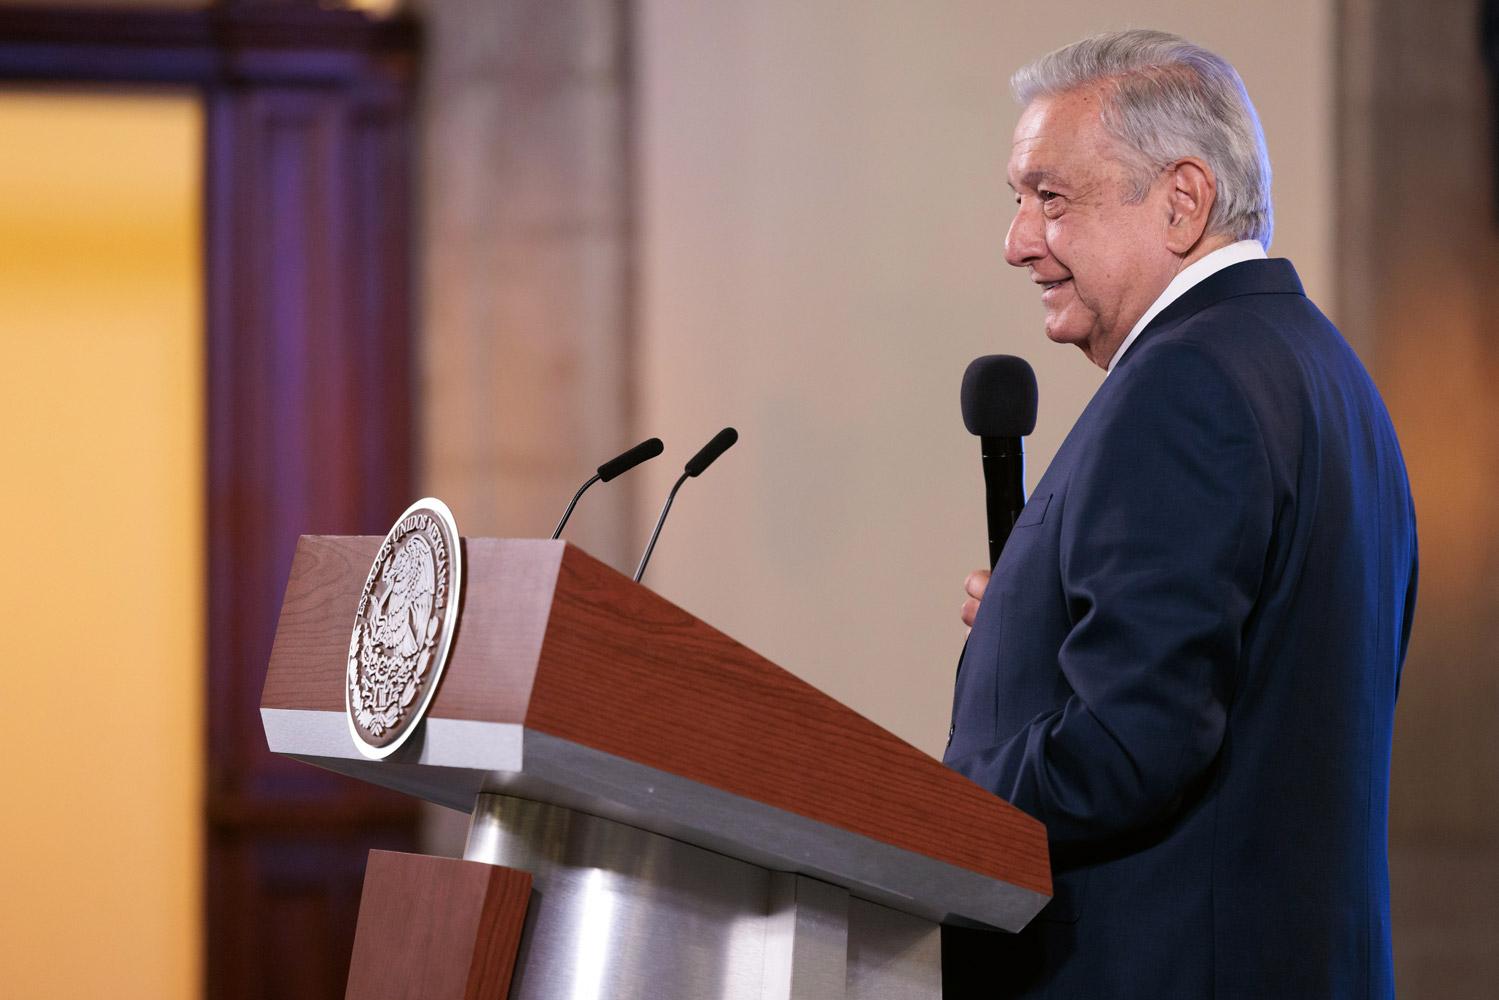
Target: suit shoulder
1178,370
1263,342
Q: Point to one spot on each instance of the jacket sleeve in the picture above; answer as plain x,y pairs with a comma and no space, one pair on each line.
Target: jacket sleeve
1164,535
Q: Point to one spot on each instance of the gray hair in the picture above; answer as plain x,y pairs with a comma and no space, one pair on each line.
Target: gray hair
1165,98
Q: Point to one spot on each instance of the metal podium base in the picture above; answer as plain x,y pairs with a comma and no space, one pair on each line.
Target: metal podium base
620,913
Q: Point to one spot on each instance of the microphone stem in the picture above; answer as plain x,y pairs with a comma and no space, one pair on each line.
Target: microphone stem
568,513
640,570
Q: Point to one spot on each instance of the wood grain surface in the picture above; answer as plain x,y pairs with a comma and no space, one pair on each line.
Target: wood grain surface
629,673
502,617
552,638
436,929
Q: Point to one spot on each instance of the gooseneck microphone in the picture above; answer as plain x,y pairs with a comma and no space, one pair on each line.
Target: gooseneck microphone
722,442
615,466
999,405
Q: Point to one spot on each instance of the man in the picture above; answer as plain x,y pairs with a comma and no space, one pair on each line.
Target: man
1186,662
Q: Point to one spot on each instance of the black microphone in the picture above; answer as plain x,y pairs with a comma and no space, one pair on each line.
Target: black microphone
999,405
615,466
722,442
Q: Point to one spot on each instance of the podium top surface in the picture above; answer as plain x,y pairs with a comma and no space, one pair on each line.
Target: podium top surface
570,683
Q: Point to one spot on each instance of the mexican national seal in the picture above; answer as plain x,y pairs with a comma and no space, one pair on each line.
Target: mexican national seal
403,628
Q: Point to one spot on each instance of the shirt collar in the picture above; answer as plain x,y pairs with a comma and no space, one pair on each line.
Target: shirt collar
1190,275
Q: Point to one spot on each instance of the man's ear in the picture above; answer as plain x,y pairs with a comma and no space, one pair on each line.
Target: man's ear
1193,191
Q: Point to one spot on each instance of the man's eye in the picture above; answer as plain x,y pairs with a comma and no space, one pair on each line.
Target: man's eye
1045,195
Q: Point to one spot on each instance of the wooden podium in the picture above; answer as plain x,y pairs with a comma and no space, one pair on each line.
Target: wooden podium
695,821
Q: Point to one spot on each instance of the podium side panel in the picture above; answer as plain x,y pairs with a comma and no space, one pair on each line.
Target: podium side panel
436,929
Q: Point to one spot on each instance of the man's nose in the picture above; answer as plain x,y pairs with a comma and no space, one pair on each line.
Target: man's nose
1025,243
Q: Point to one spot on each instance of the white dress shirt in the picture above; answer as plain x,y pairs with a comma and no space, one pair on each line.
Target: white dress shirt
1190,275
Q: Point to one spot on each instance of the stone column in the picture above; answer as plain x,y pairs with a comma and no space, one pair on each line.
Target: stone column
523,373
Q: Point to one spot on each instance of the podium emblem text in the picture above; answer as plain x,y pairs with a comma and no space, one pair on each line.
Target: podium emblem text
403,628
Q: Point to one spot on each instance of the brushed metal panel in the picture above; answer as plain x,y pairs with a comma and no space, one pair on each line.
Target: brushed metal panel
623,913
436,742
892,955
773,838
806,939
450,762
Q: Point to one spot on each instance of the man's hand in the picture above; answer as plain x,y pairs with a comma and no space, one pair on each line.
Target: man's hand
975,585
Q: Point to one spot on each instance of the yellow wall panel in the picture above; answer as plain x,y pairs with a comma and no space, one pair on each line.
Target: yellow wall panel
101,458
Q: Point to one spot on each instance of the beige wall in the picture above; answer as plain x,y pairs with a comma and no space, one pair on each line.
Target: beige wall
821,208
101,494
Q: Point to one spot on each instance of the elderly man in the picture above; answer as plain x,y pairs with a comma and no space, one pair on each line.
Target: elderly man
1186,662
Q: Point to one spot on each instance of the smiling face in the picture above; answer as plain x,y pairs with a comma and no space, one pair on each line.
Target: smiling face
1100,259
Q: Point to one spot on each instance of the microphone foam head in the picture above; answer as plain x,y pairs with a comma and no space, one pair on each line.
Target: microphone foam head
999,397
722,442
643,451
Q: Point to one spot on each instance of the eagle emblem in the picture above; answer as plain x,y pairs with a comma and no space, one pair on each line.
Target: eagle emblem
403,627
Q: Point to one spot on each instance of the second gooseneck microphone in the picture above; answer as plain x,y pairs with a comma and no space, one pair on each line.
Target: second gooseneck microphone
722,442
999,405
649,448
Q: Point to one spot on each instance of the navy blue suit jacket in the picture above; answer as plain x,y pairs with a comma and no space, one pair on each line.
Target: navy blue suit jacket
1186,662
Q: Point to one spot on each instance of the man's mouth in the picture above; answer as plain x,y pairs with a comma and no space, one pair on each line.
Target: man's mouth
1047,286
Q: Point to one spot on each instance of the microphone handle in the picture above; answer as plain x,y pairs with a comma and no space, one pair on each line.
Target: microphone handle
1004,488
